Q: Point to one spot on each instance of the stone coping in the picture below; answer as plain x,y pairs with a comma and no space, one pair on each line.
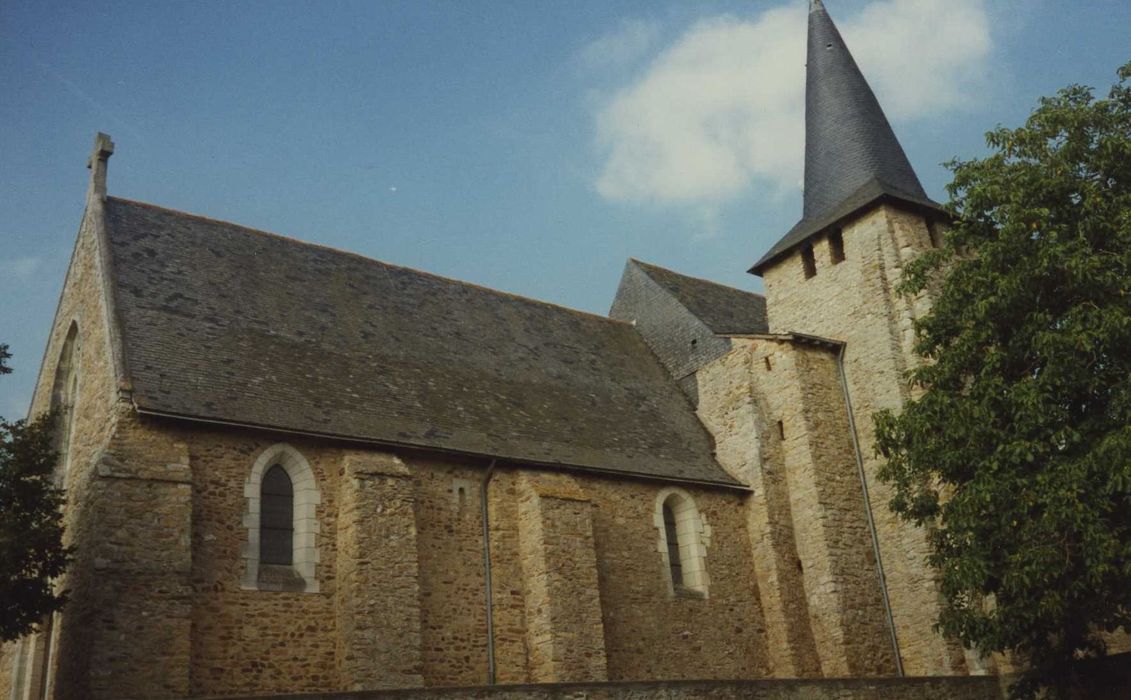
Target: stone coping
916,688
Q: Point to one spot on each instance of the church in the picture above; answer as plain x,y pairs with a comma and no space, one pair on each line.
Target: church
294,469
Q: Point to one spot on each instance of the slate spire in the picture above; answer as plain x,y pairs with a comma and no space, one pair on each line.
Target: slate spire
848,140
852,156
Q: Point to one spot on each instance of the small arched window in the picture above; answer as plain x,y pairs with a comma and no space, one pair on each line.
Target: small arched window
683,540
276,520
675,566
281,549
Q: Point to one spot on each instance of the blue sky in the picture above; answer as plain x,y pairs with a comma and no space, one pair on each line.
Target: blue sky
530,146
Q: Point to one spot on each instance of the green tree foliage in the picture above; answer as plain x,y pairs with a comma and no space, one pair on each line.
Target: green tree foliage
1017,455
31,528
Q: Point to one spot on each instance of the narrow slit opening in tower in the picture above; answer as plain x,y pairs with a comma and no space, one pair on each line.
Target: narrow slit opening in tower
836,246
808,262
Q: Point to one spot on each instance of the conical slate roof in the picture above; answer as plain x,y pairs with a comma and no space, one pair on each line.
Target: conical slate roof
852,157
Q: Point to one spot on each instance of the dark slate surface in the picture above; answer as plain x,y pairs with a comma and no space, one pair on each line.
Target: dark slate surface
850,147
681,341
723,309
225,323
872,192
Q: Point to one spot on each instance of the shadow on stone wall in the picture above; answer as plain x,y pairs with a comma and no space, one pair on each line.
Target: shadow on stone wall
1108,678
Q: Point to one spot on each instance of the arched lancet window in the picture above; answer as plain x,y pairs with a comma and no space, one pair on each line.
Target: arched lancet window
674,564
31,674
281,550
64,392
683,540
276,520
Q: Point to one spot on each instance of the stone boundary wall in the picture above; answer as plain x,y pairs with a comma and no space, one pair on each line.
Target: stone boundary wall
926,688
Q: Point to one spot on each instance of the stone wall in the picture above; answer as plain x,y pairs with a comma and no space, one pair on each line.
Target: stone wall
833,689
378,597
855,302
651,633
580,587
748,446
97,409
681,341
565,639
779,419
254,640
130,622
590,542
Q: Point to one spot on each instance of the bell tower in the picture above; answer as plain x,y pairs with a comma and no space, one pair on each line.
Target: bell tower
834,275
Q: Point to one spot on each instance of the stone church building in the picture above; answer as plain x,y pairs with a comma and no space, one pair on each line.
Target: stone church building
290,468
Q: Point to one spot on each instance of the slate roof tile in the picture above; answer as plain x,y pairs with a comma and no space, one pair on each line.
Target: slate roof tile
221,322
852,156
723,309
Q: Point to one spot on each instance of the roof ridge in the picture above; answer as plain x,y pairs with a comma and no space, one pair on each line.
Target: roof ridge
366,258
693,277
289,336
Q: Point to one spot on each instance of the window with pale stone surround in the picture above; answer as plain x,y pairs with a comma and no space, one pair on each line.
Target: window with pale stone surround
29,675
685,559
276,518
64,394
302,574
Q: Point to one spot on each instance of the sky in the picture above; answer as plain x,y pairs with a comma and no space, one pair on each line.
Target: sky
526,145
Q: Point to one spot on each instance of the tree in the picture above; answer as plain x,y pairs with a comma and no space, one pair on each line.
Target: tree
31,528
1016,455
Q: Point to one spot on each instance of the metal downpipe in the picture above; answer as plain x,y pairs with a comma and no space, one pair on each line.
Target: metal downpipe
487,572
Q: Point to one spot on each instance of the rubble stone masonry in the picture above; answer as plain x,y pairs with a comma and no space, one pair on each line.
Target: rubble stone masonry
823,689
565,638
126,519
580,586
378,575
780,422
854,301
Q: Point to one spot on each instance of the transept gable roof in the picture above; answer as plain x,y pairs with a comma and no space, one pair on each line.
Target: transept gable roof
725,310
227,324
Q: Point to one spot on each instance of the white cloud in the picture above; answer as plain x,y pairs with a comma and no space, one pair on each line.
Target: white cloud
922,56
723,106
20,268
630,42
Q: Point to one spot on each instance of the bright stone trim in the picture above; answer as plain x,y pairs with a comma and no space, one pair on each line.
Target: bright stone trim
694,536
306,525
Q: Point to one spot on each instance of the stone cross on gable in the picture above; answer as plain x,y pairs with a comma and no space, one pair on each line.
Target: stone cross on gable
103,149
